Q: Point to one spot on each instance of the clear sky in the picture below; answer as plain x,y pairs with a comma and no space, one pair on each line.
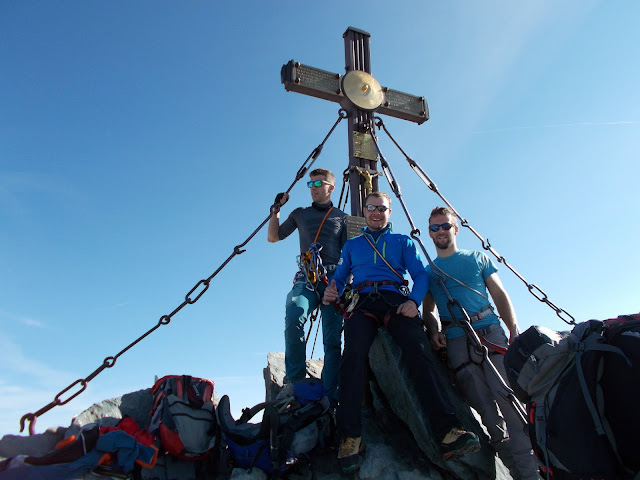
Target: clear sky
140,141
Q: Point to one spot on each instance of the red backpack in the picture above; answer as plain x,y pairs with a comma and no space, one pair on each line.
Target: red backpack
183,416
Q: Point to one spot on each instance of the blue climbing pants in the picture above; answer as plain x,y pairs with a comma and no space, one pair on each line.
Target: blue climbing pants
300,305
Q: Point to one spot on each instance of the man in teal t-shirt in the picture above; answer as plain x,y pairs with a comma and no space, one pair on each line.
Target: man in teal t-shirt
470,277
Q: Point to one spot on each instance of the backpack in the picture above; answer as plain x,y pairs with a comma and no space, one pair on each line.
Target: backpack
290,428
573,384
182,417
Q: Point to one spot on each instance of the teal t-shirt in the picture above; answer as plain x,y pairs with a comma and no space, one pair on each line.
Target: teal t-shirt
471,268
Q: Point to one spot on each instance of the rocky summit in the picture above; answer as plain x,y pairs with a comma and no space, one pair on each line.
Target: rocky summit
396,432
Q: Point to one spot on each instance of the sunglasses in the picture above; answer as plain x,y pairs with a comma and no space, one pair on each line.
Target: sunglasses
445,226
317,183
380,208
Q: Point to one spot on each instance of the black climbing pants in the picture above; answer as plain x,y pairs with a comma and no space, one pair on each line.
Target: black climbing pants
359,332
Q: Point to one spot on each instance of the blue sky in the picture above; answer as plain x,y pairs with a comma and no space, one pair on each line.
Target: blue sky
141,141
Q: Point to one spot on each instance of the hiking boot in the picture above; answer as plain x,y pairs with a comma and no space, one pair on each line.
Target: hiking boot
287,391
349,453
459,442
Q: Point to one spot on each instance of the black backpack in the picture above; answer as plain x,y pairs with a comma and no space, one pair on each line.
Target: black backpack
581,389
291,427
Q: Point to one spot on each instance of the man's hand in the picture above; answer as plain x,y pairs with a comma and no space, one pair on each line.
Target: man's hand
330,293
280,200
408,309
437,340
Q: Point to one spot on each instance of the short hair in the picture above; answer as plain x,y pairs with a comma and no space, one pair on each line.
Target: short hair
377,195
444,211
327,174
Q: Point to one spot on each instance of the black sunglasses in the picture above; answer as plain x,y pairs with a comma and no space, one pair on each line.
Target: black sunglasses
445,226
372,208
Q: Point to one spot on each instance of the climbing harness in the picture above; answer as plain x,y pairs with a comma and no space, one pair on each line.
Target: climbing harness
310,262
352,297
375,292
198,290
486,311
312,270
536,291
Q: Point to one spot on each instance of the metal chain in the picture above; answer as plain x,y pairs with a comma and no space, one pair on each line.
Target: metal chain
536,291
198,290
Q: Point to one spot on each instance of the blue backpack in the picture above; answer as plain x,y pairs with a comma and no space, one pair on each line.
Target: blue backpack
291,427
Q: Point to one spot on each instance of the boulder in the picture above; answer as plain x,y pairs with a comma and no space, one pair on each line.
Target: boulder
390,375
108,413
275,375
37,445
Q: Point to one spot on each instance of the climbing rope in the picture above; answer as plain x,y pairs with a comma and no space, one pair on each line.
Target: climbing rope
536,291
192,297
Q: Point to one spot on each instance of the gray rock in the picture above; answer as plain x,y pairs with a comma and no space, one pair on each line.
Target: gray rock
275,375
386,363
255,474
37,445
109,412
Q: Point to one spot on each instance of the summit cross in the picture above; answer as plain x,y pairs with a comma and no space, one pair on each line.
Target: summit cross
354,93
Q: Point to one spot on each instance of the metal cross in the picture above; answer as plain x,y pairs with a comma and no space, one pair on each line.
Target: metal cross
363,155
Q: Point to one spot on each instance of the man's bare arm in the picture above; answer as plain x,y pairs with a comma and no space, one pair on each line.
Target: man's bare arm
274,221
436,337
503,304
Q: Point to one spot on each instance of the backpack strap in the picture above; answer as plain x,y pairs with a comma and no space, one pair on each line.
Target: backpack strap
583,383
597,413
298,419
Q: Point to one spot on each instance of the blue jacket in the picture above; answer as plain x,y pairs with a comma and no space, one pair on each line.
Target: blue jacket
360,259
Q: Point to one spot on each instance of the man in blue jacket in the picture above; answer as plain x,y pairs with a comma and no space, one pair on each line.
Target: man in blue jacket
378,260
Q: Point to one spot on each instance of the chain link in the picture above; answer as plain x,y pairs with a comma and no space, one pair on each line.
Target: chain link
203,285
542,297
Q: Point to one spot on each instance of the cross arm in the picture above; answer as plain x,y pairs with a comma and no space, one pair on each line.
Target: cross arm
311,81
318,83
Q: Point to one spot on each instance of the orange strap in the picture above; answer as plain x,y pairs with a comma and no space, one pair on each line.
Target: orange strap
322,223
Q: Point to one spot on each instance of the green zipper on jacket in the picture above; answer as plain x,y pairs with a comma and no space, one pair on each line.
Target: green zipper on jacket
384,248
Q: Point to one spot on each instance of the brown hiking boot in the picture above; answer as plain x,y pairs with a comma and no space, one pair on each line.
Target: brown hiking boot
349,453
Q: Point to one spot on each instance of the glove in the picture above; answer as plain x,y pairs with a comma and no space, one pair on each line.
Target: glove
277,203
279,198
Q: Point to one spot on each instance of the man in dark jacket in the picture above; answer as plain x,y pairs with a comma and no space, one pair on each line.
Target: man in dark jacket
323,232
